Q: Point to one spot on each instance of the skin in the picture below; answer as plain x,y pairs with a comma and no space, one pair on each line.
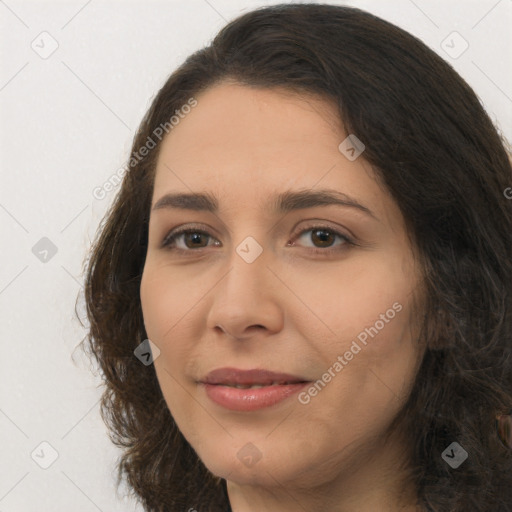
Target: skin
291,310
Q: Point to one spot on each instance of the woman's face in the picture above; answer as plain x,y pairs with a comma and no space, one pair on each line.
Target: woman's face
267,280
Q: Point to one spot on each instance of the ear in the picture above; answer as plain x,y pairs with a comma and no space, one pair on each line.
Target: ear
504,429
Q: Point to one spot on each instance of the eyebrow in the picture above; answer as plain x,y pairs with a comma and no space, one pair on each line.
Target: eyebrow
281,203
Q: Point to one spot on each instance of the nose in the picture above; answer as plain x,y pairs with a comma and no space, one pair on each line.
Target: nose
246,301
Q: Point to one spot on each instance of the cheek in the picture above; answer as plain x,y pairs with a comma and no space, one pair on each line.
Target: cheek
363,314
161,313
384,364
164,309
161,305
339,302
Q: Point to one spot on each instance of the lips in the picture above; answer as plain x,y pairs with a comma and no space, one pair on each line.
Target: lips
250,390
244,379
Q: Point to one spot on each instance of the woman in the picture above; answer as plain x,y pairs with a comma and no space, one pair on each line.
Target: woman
301,297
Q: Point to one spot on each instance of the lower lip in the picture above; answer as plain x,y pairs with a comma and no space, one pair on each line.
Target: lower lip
251,399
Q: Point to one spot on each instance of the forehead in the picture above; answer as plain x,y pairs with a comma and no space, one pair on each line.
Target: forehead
249,118
257,142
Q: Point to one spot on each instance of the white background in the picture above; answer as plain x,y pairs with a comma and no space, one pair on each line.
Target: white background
67,122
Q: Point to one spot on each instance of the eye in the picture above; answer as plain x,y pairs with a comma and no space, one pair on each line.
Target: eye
325,237
189,238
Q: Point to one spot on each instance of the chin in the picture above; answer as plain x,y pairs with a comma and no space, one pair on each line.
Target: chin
244,467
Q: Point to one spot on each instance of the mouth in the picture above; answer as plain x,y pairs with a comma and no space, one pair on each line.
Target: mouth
249,390
257,386
244,379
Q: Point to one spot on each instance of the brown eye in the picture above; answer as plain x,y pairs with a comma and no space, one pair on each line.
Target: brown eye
194,239
186,239
324,238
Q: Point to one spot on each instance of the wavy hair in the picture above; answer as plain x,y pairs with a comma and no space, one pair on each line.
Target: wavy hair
445,164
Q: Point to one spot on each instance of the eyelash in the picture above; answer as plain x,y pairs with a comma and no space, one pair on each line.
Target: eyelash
170,240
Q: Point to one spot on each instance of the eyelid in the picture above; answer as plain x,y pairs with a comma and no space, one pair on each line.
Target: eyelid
175,232
323,224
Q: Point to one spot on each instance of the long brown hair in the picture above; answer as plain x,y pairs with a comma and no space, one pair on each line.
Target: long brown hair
438,154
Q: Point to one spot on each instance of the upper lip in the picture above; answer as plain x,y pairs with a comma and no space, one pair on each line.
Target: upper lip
249,377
